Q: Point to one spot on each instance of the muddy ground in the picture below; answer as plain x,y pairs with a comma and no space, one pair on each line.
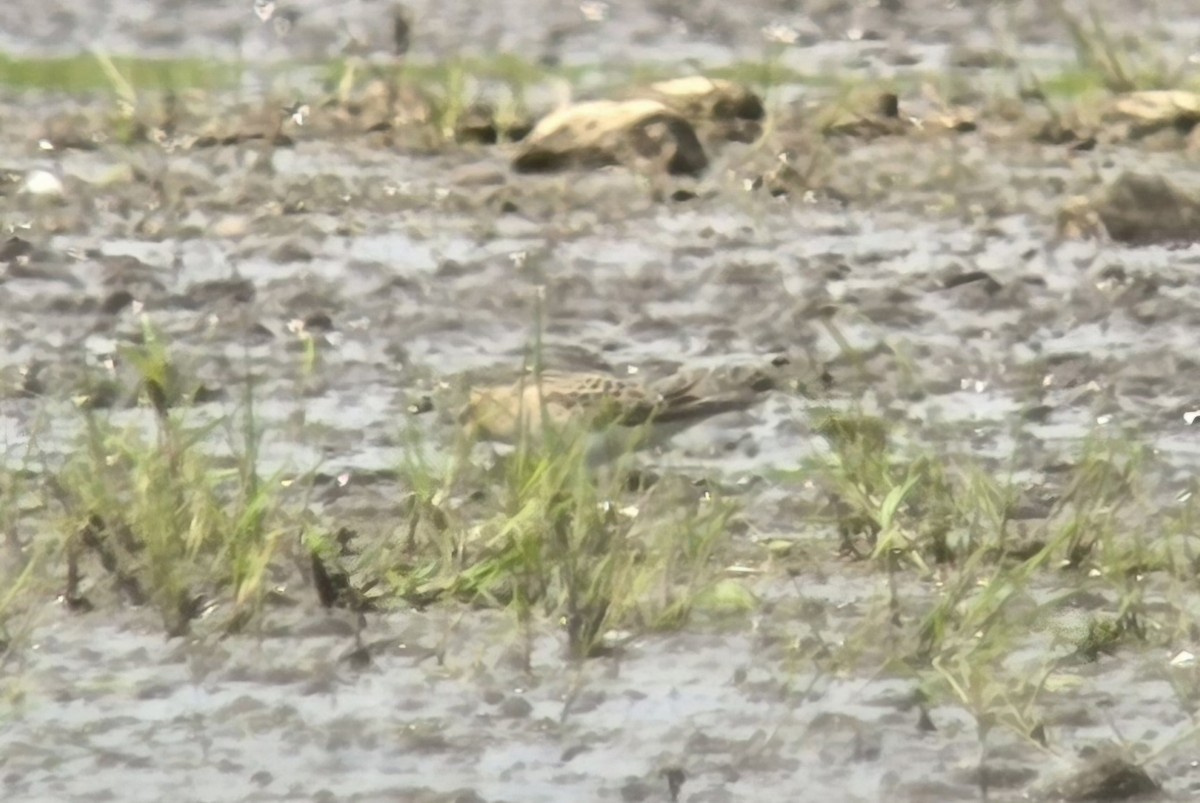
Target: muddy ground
416,270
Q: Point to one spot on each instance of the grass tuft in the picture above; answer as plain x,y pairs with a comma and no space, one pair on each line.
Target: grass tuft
169,523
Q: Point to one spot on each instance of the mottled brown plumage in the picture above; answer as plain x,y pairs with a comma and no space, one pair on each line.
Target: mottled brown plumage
594,402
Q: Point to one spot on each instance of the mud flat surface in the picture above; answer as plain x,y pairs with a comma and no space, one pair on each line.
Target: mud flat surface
924,279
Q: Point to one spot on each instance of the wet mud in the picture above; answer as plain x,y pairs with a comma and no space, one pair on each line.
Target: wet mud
923,277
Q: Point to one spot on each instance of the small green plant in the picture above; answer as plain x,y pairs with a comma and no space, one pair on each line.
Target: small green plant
15,586
1102,636
454,95
565,543
912,508
1123,64
171,524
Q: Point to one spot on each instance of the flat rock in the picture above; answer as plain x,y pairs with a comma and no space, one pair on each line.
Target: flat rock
642,133
1142,208
733,111
1156,109
1105,777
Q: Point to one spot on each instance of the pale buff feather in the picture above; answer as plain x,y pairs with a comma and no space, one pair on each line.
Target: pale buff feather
592,402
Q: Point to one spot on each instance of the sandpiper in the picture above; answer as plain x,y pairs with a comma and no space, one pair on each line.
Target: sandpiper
592,402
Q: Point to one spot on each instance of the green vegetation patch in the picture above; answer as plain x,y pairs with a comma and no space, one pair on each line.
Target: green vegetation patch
84,73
